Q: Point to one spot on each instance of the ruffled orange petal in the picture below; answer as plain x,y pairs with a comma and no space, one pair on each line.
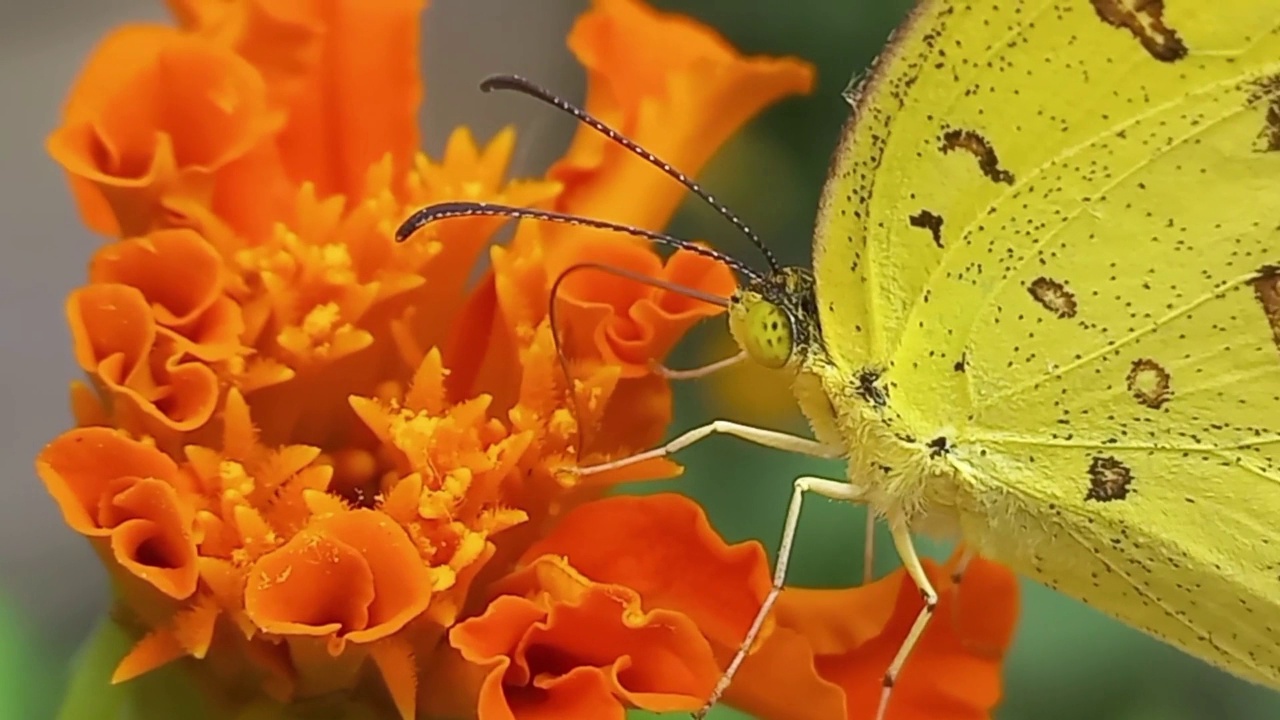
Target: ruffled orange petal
355,575
112,332
540,644
180,275
360,101
151,534
177,271
153,121
110,486
80,465
686,566
116,341
624,322
671,84
834,645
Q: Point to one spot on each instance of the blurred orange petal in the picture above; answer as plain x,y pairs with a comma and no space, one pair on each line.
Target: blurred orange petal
360,101
832,644
674,86
280,38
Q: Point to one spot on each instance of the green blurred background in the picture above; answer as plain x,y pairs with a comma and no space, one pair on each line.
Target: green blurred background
1068,662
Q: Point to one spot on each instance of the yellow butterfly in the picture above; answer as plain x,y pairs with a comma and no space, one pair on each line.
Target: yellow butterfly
1044,315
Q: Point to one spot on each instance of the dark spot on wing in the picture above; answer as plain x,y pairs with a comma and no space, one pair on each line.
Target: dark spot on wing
939,446
870,389
1145,19
931,222
1266,288
1108,479
973,143
960,364
1267,92
1149,383
1053,296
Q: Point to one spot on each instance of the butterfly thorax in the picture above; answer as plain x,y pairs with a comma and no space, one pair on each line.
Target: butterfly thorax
903,472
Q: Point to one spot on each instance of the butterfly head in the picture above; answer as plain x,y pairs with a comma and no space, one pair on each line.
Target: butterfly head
774,318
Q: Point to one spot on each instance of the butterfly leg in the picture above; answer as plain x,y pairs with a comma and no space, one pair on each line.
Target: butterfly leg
703,371
833,489
957,575
869,549
759,436
966,557
911,563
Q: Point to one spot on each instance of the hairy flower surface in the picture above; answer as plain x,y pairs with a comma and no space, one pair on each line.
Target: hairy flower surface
325,468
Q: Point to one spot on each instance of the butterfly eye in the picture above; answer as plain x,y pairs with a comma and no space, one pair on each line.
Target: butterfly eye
768,334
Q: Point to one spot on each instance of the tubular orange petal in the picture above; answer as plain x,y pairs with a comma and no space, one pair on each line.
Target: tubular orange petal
674,86
845,640
395,661
151,124
360,101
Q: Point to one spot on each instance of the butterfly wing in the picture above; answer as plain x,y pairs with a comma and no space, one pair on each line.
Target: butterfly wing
1053,226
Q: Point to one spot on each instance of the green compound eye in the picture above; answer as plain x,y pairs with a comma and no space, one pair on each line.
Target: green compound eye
768,335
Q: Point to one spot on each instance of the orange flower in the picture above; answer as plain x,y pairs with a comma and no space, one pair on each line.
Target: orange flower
324,467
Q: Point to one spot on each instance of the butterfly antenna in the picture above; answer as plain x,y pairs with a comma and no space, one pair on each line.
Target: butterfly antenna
446,210
526,87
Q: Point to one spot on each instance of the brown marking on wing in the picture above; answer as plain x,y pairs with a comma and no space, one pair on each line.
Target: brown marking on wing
1266,287
928,221
1109,479
1149,383
1053,296
1145,19
1267,91
973,143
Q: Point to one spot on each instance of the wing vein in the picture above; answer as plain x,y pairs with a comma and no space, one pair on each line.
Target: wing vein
1180,619
1024,441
